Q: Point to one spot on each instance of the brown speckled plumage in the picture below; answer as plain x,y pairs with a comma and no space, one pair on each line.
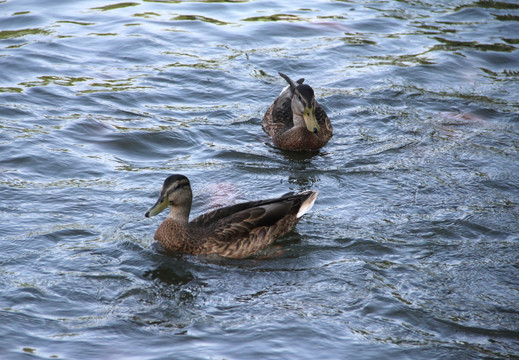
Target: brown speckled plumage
279,120
235,231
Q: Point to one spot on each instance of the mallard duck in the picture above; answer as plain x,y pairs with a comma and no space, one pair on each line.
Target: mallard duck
235,231
295,120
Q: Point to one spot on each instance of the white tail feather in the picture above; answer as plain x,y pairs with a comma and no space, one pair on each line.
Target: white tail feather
307,204
284,89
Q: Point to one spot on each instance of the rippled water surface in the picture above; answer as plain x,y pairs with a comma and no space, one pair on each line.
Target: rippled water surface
411,250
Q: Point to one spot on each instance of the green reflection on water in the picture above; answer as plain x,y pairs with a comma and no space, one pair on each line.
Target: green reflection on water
103,34
146,15
506,17
11,89
115,6
8,34
510,41
199,18
57,80
489,4
275,17
208,65
355,39
432,29
16,46
75,22
504,75
113,86
402,60
454,44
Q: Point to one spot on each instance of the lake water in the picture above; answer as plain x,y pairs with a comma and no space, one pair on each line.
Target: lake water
412,247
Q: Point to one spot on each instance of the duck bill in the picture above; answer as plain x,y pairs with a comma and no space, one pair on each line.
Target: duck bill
160,205
310,120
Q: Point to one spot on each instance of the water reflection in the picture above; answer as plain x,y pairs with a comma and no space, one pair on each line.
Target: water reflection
115,6
198,18
10,34
454,45
171,275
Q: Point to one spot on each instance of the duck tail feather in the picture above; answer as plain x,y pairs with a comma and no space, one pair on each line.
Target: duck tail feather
307,203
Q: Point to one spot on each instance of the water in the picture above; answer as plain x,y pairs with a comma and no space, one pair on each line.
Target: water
411,250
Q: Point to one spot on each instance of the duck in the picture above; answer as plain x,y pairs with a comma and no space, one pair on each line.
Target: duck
295,120
236,231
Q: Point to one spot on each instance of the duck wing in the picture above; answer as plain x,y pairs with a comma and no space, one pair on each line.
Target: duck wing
278,117
323,121
239,220
241,230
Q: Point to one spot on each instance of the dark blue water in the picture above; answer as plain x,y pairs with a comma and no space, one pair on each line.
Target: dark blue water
411,250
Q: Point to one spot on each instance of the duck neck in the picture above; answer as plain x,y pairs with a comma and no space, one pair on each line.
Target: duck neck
298,120
179,214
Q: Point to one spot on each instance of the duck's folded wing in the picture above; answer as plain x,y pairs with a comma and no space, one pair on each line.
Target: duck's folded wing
324,121
239,220
243,223
278,117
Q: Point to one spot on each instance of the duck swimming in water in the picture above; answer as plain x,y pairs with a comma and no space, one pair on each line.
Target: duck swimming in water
295,120
235,231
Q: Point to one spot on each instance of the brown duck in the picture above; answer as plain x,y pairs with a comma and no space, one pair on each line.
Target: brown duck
235,231
295,120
